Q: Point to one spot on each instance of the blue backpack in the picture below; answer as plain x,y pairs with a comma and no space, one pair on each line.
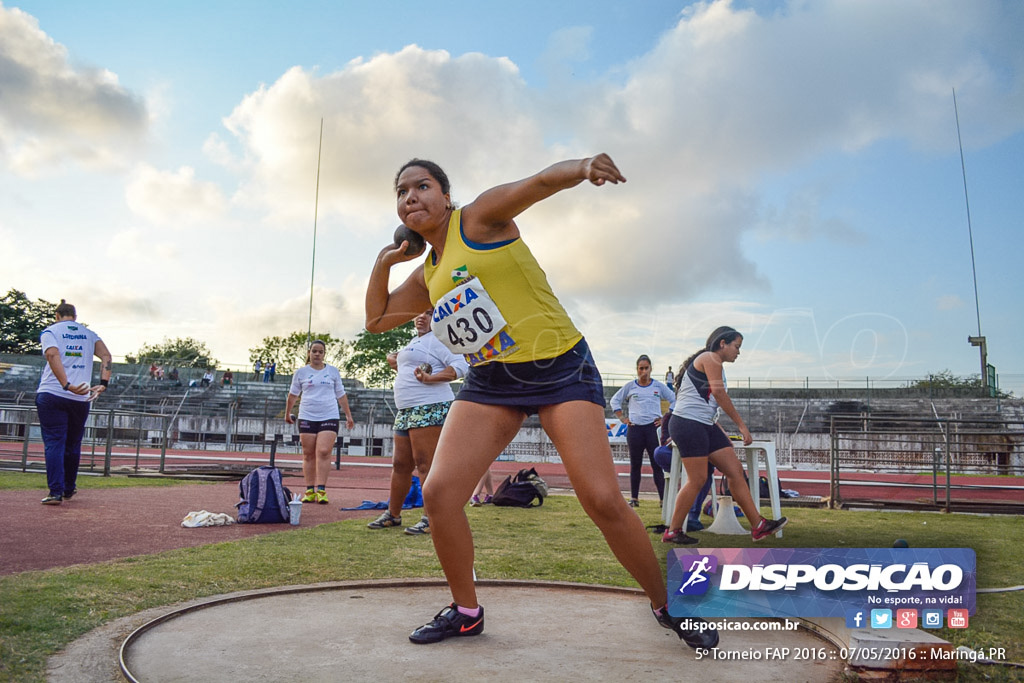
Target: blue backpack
263,498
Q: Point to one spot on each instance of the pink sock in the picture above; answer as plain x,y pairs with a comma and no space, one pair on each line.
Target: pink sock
469,612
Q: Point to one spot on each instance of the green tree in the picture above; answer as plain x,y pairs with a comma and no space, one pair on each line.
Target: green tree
368,358
945,383
290,352
21,322
179,352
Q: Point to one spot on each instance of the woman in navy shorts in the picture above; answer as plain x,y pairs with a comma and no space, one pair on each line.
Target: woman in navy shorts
322,392
492,303
701,394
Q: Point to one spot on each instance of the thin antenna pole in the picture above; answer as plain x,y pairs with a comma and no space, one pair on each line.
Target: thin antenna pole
316,210
970,232
978,341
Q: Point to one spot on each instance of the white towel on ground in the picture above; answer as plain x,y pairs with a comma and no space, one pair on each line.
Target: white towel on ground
204,518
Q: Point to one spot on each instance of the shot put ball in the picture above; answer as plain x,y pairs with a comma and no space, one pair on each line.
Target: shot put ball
415,240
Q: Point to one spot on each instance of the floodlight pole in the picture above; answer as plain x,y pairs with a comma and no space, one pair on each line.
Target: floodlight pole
316,207
978,340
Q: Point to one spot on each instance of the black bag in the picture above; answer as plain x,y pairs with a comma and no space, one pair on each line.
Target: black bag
763,489
723,485
521,490
766,490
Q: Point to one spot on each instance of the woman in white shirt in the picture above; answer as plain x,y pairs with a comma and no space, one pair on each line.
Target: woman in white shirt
642,399
64,396
422,395
322,393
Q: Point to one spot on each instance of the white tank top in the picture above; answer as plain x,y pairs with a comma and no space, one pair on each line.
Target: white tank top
695,400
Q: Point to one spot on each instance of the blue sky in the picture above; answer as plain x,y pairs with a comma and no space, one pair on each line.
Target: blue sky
793,168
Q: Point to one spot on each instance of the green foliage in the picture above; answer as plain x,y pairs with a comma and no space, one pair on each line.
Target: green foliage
945,383
290,352
179,352
947,380
368,358
21,321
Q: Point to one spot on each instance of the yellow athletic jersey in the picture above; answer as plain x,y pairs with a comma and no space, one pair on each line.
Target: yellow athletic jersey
537,326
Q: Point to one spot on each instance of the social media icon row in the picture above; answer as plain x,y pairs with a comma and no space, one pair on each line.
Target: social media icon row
905,618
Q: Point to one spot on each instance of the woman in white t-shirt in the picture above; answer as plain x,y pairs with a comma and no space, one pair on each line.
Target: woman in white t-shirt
641,399
64,396
422,395
322,393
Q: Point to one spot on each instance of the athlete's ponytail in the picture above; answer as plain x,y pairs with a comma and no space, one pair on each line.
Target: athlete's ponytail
721,334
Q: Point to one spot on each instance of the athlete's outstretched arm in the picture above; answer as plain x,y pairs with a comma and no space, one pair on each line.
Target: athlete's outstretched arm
496,208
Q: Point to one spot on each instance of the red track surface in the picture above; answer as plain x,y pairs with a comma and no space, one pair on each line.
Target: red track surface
101,524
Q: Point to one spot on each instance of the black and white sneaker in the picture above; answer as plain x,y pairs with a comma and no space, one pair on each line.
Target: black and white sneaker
420,528
449,622
678,536
696,638
767,527
385,520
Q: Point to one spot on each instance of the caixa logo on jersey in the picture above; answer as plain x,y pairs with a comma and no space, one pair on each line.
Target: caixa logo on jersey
817,582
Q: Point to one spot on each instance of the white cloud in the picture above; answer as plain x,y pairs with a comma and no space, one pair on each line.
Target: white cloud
337,311
724,101
725,97
136,247
465,112
116,304
52,112
802,219
172,198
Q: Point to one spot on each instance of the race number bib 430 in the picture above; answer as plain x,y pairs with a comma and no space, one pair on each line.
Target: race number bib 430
466,318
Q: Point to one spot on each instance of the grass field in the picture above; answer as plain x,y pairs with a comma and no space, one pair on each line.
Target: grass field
41,612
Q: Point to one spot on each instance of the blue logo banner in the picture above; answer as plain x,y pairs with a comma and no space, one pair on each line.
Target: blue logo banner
853,583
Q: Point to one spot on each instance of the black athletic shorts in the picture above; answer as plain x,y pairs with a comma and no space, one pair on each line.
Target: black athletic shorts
696,439
317,426
572,376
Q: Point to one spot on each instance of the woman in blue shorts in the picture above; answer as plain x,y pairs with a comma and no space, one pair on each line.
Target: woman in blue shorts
701,394
423,396
493,304
322,392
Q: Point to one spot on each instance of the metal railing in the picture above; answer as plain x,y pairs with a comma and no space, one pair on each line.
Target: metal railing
944,450
113,439
140,442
